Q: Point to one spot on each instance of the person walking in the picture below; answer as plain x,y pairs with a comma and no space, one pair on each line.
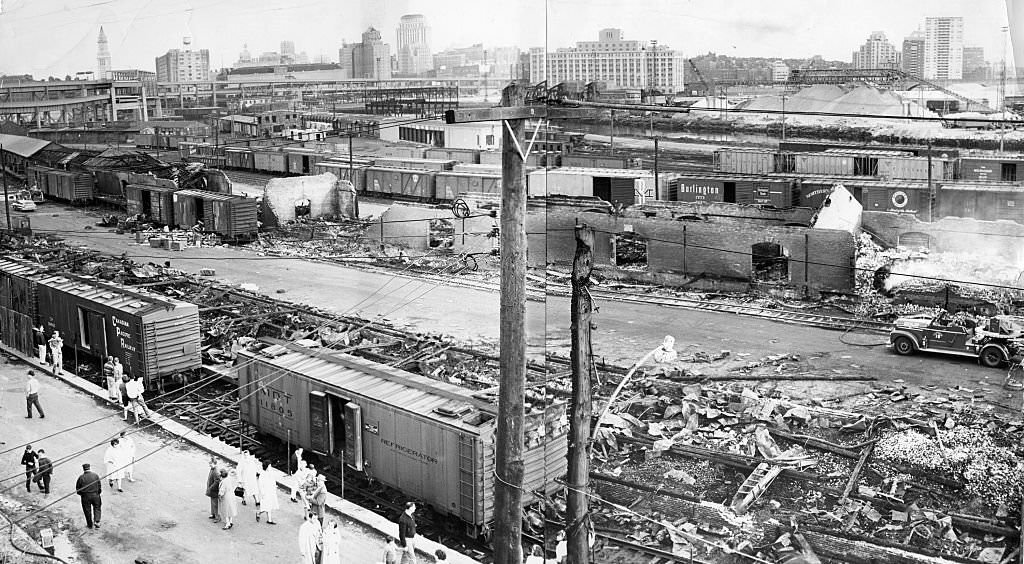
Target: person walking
330,553
90,488
407,533
310,539
122,389
268,495
127,444
299,463
57,353
118,370
213,489
39,339
32,395
298,481
108,378
248,469
30,460
228,504
114,458
135,388
318,497
44,470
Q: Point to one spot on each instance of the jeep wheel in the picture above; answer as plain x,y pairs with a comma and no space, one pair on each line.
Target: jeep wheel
992,357
903,345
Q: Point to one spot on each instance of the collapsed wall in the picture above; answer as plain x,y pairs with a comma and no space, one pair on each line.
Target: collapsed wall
281,196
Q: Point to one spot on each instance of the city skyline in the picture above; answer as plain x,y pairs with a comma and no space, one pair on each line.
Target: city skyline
139,32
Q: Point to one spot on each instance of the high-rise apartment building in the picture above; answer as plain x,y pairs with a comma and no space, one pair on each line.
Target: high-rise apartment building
183,65
975,65
913,54
369,59
944,48
876,53
102,56
413,45
612,60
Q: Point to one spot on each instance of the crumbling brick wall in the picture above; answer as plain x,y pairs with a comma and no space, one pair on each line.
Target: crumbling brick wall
281,194
1000,239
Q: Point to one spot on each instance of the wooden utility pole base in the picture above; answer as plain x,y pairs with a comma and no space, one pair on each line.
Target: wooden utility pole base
581,410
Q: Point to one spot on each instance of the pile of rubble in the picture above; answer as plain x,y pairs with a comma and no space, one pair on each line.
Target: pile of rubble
909,480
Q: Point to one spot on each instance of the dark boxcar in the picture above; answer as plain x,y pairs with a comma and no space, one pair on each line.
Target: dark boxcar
230,216
239,157
991,168
431,440
301,161
154,336
18,304
414,164
896,197
987,201
61,184
450,185
156,202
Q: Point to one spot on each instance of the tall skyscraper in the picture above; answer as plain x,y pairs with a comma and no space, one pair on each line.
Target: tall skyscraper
876,53
183,65
913,54
414,56
613,60
975,65
944,48
102,56
287,52
369,59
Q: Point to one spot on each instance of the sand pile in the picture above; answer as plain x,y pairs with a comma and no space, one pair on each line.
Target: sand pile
833,99
866,100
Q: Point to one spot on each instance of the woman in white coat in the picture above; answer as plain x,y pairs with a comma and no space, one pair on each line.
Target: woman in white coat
331,553
267,486
115,462
228,504
248,468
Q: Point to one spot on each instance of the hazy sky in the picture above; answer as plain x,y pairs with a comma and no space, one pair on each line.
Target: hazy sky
58,37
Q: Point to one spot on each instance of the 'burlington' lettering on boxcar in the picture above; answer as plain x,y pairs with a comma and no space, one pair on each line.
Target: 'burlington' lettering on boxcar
408,451
123,331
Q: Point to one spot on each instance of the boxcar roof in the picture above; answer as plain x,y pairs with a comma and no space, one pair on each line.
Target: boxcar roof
152,188
127,299
385,384
208,195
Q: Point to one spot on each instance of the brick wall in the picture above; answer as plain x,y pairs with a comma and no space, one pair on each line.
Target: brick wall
281,194
1000,239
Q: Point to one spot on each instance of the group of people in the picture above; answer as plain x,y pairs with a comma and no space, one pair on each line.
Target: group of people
249,480
56,345
38,469
120,461
124,389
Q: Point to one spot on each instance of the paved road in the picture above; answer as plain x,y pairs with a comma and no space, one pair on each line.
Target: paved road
162,516
624,333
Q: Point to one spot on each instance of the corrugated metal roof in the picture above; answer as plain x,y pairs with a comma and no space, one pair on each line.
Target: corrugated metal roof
22,146
207,195
869,152
379,382
131,300
152,188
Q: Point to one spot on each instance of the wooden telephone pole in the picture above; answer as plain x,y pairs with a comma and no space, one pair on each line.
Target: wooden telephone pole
508,484
577,515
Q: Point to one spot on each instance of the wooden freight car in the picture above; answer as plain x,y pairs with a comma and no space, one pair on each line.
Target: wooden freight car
69,186
269,160
414,164
391,182
471,156
231,216
451,185
154,336
341,170
155,202
240,158
981,200
433,441
301,161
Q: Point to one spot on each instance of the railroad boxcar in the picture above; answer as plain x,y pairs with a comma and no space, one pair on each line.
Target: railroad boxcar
999,168
154,336
535,158
70,186
823,163
342,171
402,152
745,160
981,200
231,216
240,158
156,202
896,197
595,161
617,186
820,146
470,156
415,184
269,160
301,161
414,164
451,185
145,140
477,168
430,440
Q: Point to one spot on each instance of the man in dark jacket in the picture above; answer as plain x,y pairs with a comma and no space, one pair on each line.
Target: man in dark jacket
44,469
407,533
89,487
39,339
30,461
213,489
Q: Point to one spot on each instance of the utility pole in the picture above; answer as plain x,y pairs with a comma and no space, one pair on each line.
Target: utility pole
581,409
612,133
655,168
931,188
3,172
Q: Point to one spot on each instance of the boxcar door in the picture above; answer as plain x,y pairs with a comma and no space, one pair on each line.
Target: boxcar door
353,436
92,335
319,423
